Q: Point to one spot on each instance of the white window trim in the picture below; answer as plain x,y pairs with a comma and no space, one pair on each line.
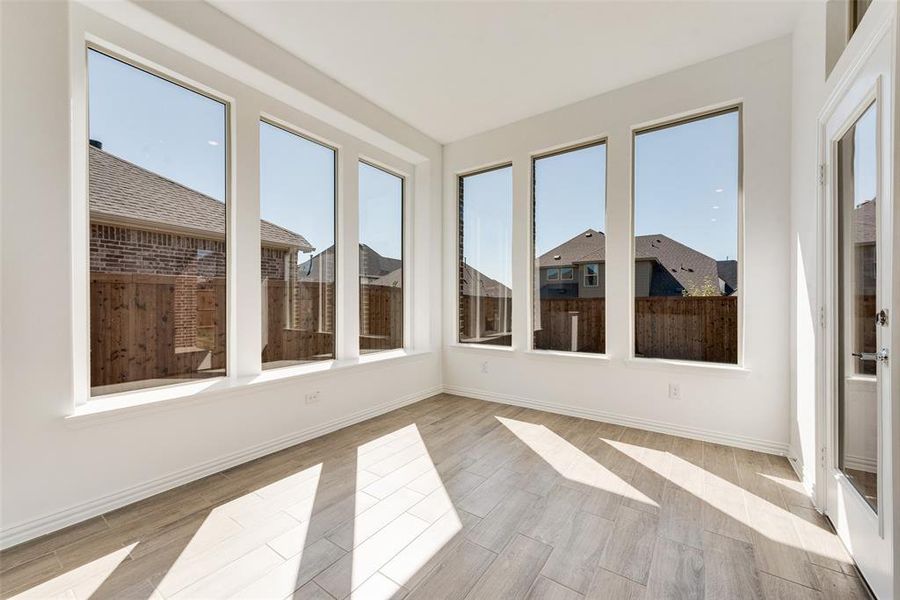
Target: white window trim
551,270
570,270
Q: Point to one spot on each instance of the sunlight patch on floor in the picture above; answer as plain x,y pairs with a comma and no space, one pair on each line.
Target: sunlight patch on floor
87,578
572,463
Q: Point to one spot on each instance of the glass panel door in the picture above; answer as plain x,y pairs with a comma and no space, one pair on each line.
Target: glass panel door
857,282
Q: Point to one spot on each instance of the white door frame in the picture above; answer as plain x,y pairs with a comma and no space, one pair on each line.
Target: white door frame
871,77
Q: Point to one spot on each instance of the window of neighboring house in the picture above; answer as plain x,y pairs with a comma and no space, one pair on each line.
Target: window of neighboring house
591,275
297,229
380,259
157,200
686,238
569,223
485,257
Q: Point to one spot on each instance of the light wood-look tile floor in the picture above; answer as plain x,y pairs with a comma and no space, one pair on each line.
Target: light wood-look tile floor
458,498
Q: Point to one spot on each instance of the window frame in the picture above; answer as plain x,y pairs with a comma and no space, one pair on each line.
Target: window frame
601,140
460,176
81,220
404,269
552,273
596,275
570,271
265,118
667,123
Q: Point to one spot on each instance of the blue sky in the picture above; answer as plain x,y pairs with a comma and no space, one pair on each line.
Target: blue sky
570,196
180,134
686,184
380,211
487,213
865,182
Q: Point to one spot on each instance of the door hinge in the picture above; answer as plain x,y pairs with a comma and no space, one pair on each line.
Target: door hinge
822,174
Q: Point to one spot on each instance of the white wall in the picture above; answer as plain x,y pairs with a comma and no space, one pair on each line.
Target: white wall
56,471
746,407
808,85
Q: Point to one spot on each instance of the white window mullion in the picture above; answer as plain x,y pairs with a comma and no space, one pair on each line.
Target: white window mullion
347,259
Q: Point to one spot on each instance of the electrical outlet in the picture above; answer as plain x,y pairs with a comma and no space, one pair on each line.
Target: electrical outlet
484,367
312,397
674,391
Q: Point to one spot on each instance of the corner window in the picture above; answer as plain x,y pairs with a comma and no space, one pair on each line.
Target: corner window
297,192
686,239
485,257
157,200
591,275
569,225
380,259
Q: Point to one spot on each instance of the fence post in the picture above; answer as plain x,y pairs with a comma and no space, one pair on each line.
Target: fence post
573,315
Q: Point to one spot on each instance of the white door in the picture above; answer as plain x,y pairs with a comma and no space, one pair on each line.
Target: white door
857,220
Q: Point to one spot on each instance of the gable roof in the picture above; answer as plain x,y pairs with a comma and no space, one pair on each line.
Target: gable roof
123,192
473,281
864,222
687,266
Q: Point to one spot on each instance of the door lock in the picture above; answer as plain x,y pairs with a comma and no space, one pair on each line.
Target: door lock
880,356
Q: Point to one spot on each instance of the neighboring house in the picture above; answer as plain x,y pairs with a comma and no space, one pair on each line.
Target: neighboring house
145,224
485,305
372,266
663,267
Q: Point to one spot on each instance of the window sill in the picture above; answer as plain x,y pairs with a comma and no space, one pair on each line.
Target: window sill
117,406
481,347
597,358
686,366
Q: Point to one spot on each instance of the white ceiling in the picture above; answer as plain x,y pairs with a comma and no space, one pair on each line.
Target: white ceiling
453,69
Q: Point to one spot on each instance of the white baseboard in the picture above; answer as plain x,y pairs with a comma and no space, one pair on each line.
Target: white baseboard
33,528
727,439
861,463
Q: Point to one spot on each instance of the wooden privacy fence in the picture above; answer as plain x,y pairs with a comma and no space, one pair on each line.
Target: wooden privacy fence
381,317
133,328
305,332
485,319
700,328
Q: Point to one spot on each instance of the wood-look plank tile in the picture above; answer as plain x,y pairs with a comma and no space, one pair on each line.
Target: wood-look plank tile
607,585
482,500
370,521
776,588
442,499
820,542
349,572
629,550
310,591
294,573
500,525
22,553
455,576
777,547
677,572
379,587
232,577
577,551
547,589
513,572
29,574
680,516
729,569
416,561
551,513
838,586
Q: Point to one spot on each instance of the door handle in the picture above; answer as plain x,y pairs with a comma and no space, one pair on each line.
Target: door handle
880,356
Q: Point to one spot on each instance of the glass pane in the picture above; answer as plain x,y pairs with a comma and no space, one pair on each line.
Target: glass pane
686,187
156,172
296,194
569,232
485,258
380,260
858,282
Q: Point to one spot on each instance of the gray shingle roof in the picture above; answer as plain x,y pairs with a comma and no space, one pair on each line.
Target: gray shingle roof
121,191
687,266
474,282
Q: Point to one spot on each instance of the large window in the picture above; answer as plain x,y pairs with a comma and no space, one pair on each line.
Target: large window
380,259
297,191
686,239
157,201
485,257
569,307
